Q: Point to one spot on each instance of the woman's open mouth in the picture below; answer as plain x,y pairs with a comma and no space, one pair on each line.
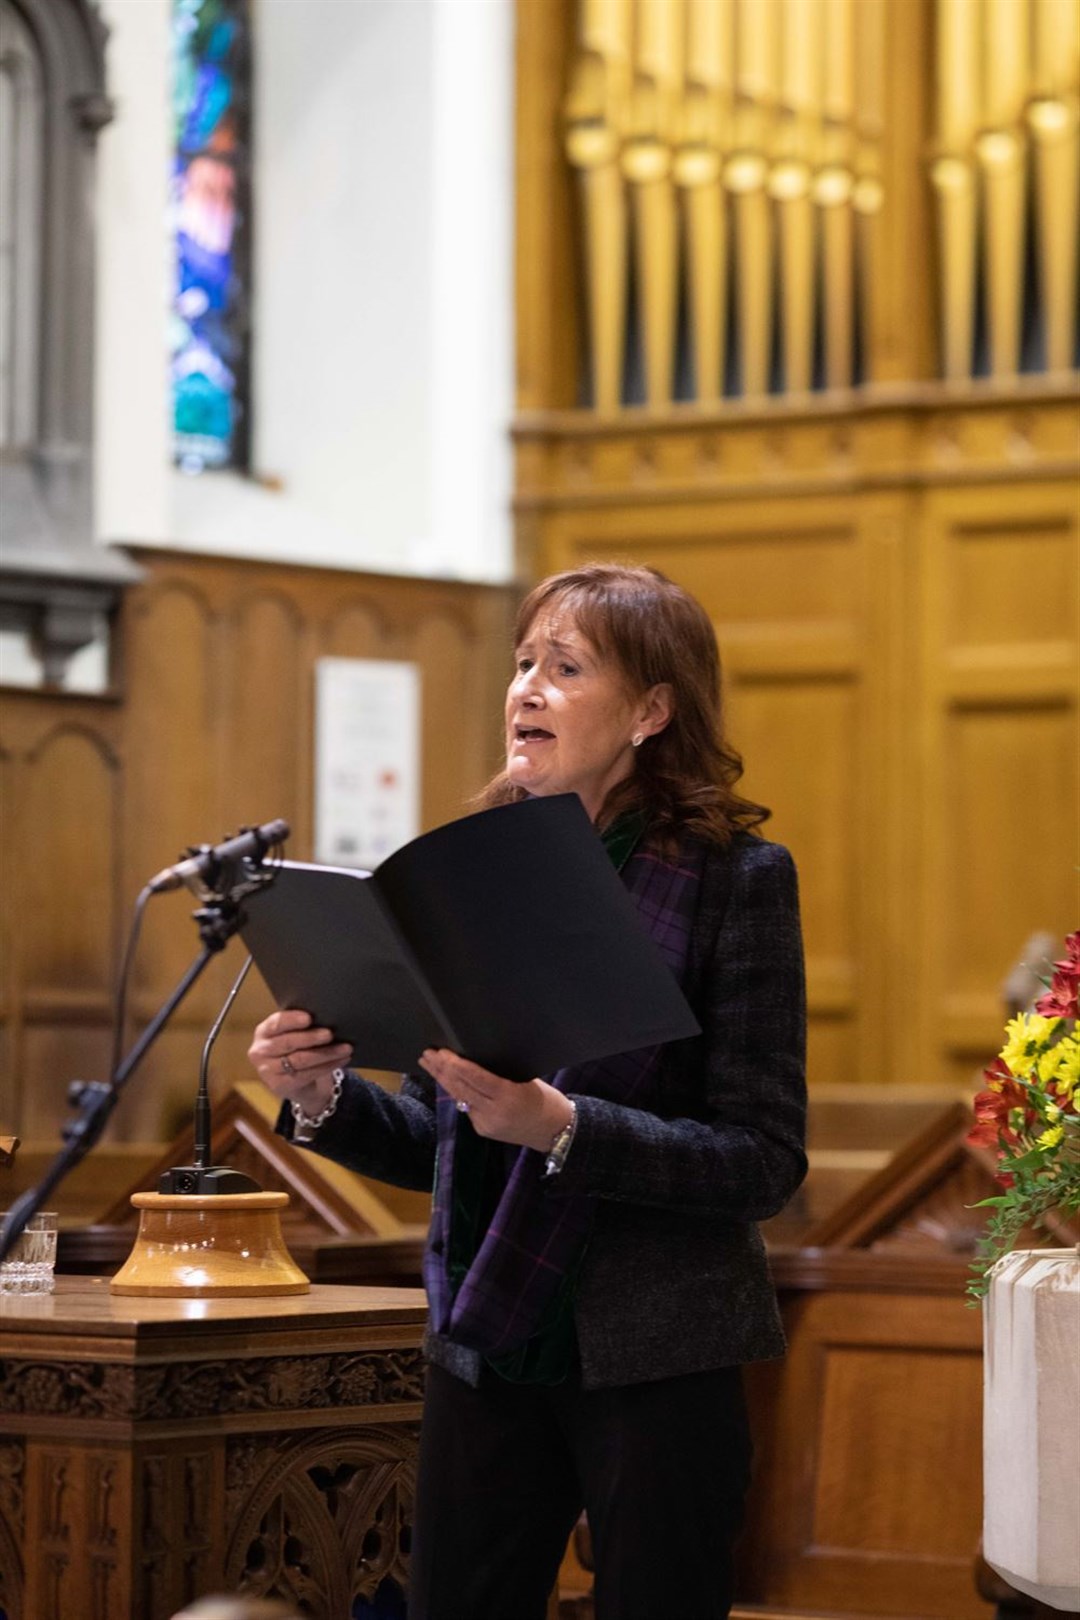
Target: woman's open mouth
532,734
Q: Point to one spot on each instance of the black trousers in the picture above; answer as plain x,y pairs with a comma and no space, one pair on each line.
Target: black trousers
505,1470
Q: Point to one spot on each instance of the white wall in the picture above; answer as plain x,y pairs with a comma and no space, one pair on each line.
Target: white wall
470,288
382,291
131,407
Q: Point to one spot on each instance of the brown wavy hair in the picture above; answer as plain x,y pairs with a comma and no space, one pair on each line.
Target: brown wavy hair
656,633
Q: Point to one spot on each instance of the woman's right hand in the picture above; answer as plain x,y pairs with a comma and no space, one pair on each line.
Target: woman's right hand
296,1060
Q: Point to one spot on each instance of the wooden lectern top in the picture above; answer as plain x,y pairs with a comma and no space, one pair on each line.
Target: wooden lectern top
83,1311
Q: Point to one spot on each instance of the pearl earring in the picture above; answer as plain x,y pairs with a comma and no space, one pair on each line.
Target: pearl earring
637,739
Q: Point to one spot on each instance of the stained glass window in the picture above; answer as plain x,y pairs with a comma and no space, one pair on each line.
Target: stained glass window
211,224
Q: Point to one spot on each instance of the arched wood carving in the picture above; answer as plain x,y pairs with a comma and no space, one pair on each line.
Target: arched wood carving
321,1524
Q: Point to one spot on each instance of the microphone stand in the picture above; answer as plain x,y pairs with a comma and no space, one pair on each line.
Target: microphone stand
218,919
201,1177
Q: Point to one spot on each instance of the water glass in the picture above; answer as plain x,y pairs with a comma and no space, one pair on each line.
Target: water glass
29,1267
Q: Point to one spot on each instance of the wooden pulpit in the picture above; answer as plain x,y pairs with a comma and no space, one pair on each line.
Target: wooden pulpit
157,1450
868,1492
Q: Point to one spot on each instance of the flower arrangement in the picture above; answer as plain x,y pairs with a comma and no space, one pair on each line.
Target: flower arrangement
1029,1114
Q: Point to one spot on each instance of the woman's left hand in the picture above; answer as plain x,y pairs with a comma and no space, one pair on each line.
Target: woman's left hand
530,1114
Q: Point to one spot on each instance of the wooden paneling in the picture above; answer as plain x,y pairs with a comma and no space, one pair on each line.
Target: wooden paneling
895,592
267,731
1001,684
66,925
172,709
213,730
801,615
855,1513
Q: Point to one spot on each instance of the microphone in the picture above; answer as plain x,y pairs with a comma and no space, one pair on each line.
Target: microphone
203,866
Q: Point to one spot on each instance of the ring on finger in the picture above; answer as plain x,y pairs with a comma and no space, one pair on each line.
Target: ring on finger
286,1066
462,1106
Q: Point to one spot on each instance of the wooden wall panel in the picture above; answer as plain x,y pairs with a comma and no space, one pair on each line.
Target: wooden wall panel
356,630
925,1403
1001,682
266,735
65,883
213,731
444,654
793,596
876,1410
61,785
799,737
56,1047
174,697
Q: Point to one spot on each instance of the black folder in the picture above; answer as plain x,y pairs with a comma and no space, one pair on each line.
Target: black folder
507,936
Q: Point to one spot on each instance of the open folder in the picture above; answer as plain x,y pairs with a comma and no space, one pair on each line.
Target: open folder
507,936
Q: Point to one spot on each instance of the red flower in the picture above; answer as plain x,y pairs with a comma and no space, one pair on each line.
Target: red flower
994,1106
1062,1000
1063,996
999,1077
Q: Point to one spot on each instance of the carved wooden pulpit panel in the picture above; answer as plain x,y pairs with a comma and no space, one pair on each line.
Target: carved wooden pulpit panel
158,1450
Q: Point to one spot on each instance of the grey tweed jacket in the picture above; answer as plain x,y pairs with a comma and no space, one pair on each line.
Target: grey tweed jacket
674,1279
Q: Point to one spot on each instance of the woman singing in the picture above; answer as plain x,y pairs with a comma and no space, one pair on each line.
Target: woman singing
594,1270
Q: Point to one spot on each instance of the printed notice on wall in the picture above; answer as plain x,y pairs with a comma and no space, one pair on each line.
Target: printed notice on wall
367,759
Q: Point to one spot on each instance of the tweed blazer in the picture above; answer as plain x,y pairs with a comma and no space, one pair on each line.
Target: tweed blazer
674,1278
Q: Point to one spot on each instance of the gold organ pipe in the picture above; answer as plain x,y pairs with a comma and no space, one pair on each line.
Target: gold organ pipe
1000,155
789,187
839,60
958,41
1056,47
604,206
1005,58
710,41
755,55
745,177
868,195
706,119
605,27
958,36
647,165
799,78
595,114
833,187
1053,119
870,66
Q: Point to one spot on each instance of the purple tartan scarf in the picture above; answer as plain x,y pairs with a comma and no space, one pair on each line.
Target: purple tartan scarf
533,1240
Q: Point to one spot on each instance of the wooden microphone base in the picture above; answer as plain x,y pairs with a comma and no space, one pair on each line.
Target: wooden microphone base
216,1247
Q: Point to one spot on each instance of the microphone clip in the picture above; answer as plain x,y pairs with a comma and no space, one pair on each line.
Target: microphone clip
227,881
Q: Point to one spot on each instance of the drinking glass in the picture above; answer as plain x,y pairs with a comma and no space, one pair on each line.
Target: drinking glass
29,1267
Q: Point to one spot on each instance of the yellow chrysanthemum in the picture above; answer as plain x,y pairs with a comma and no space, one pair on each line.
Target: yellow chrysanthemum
1046,1065
1050,1138
1026,1033
1067,1073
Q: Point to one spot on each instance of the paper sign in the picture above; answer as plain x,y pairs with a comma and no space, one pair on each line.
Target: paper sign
367,759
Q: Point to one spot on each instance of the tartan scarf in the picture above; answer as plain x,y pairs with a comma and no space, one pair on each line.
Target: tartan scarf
534,1241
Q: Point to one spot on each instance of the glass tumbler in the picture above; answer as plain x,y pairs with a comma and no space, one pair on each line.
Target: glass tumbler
30,1267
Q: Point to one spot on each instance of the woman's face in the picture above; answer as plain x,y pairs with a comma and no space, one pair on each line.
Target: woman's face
569,716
